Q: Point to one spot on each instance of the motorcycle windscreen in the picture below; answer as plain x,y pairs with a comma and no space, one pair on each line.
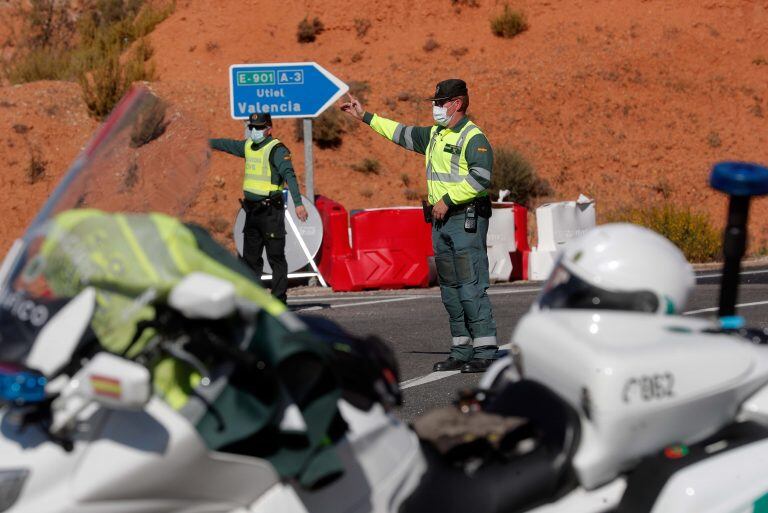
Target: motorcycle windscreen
565,290
147,156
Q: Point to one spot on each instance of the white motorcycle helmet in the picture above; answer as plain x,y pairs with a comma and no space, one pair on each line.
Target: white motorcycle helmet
619,267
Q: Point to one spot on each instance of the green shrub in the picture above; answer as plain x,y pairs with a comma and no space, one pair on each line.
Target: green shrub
35,168
309,30
361,26
430,45
512,171
509,23
150,17
689,230
40,64
411,195
103,31
327,128
367,167
131,176
47,23
109,80
359,89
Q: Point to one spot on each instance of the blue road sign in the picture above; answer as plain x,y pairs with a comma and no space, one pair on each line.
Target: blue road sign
285,89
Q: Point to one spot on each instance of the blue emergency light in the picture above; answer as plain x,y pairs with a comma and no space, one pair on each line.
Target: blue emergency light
21,386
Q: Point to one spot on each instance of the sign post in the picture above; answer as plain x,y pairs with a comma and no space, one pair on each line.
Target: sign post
286,90
309,163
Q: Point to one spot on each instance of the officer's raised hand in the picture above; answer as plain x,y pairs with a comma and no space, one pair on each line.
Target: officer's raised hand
353,107
301,213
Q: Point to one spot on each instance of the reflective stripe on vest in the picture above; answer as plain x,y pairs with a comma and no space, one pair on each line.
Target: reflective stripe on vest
258,172
446,159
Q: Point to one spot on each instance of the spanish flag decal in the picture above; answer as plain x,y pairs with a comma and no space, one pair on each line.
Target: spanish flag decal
105,386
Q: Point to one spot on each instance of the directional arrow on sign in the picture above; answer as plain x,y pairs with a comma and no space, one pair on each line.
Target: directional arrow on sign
285,89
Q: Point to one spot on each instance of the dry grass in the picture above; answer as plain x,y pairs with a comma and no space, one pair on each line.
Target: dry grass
512,171
689,230
309,30
361,26
430,45
367,167
509,23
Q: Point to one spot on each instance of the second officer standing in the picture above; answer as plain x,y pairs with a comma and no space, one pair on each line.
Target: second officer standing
267,166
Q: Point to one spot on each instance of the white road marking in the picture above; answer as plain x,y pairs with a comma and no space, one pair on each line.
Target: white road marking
491,291
497,292
361,303
394,299
423,380
434,376
717,275
716,308
313,299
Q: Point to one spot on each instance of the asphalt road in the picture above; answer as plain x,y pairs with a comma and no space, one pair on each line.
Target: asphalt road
415,323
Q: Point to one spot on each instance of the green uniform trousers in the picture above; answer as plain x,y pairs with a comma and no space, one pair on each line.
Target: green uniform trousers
461,259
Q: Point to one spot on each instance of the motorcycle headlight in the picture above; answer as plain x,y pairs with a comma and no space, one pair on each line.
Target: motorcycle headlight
11,483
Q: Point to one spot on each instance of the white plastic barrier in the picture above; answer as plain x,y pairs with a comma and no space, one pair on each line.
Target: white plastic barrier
556,224
501,242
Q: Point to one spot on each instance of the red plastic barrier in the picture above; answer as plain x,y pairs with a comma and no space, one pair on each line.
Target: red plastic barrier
335,245
389,248
520,256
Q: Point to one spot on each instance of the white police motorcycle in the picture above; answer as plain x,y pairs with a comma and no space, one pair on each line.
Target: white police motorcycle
620,409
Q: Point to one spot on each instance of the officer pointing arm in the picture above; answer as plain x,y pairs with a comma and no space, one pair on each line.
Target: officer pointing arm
459,162
267,167
479,154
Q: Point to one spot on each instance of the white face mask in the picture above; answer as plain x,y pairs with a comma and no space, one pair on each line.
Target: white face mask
256,135
440,115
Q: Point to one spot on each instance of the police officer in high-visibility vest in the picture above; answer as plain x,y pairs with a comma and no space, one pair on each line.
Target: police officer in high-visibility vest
267,167
459,161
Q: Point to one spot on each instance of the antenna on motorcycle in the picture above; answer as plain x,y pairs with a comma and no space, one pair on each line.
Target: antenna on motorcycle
741,181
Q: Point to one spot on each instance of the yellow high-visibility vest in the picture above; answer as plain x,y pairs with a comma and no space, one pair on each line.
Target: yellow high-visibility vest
446,160
258,172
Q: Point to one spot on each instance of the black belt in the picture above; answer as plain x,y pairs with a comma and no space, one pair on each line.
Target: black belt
482,205
275,200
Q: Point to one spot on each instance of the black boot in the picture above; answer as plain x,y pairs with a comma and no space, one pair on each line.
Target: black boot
477,365
448,365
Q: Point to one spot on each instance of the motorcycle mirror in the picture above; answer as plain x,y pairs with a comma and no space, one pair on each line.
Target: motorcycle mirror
106,379
115,382
202,296
741,181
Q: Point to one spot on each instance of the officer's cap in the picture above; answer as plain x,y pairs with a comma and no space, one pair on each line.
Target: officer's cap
260,120
450,88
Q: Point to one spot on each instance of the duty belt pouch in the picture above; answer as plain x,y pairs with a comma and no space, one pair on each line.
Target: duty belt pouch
484,208
427,208
276,200
470,219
